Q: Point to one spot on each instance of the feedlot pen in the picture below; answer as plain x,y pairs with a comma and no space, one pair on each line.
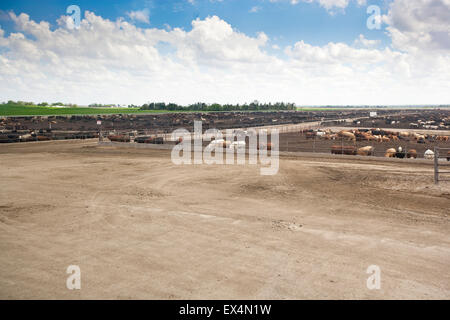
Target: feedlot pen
294,138
298,142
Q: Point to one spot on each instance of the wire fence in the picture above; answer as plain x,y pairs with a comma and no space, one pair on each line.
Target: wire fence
299,138
440,172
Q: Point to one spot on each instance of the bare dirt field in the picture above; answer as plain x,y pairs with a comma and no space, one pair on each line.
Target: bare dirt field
140,227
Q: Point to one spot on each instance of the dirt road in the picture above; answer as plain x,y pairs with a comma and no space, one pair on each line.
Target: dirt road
140,227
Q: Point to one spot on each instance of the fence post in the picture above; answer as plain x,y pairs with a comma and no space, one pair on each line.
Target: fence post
436,165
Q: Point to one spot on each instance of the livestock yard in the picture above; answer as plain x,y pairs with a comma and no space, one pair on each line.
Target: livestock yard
142,227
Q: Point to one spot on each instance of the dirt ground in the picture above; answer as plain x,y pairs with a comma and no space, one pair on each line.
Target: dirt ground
140,227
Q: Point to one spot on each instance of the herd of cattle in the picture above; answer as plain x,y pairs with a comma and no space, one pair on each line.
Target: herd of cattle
221,143
377,135
42,135
390,153
140,139
344,135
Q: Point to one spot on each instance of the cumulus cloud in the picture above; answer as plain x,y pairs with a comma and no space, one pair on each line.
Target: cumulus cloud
327,4
363,42
419,24
116,61
140,15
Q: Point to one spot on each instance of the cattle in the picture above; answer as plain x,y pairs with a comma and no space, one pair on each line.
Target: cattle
26,138
429,155
43,138
400,153
332,136
310,135
150,140
141,139
238,145
119,138
348,150
366,151
370,137
321,134
348,135
448,156
412,154
421,139
220,143
390,153
267,146
378,132
155,140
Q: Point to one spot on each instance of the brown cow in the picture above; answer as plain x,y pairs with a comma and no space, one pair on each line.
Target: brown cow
119,138
366,151
412,154
348,135
390,153
348,150
311,135
43,138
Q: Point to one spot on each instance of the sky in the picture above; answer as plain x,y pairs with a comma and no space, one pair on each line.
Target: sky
310,52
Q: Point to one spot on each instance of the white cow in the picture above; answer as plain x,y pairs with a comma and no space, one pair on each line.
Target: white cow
238,145
321,134
429,155
218,143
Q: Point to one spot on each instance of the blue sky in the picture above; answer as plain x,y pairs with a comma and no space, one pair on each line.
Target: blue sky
311,52
283,22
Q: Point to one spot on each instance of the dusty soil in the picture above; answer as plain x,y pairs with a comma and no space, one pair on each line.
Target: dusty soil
140,227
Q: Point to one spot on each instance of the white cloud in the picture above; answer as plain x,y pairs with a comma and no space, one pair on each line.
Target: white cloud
116,61
419,24
255,9
327,4
140,15
363,42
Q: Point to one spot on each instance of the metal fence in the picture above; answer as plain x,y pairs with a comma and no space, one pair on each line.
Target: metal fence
294,139
291,128
440,174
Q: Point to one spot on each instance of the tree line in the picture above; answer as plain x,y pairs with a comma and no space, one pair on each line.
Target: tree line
162,106
42,104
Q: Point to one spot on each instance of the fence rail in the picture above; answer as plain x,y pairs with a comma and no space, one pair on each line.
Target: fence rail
441,153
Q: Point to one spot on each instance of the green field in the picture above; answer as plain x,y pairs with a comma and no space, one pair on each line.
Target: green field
10,110
18,110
